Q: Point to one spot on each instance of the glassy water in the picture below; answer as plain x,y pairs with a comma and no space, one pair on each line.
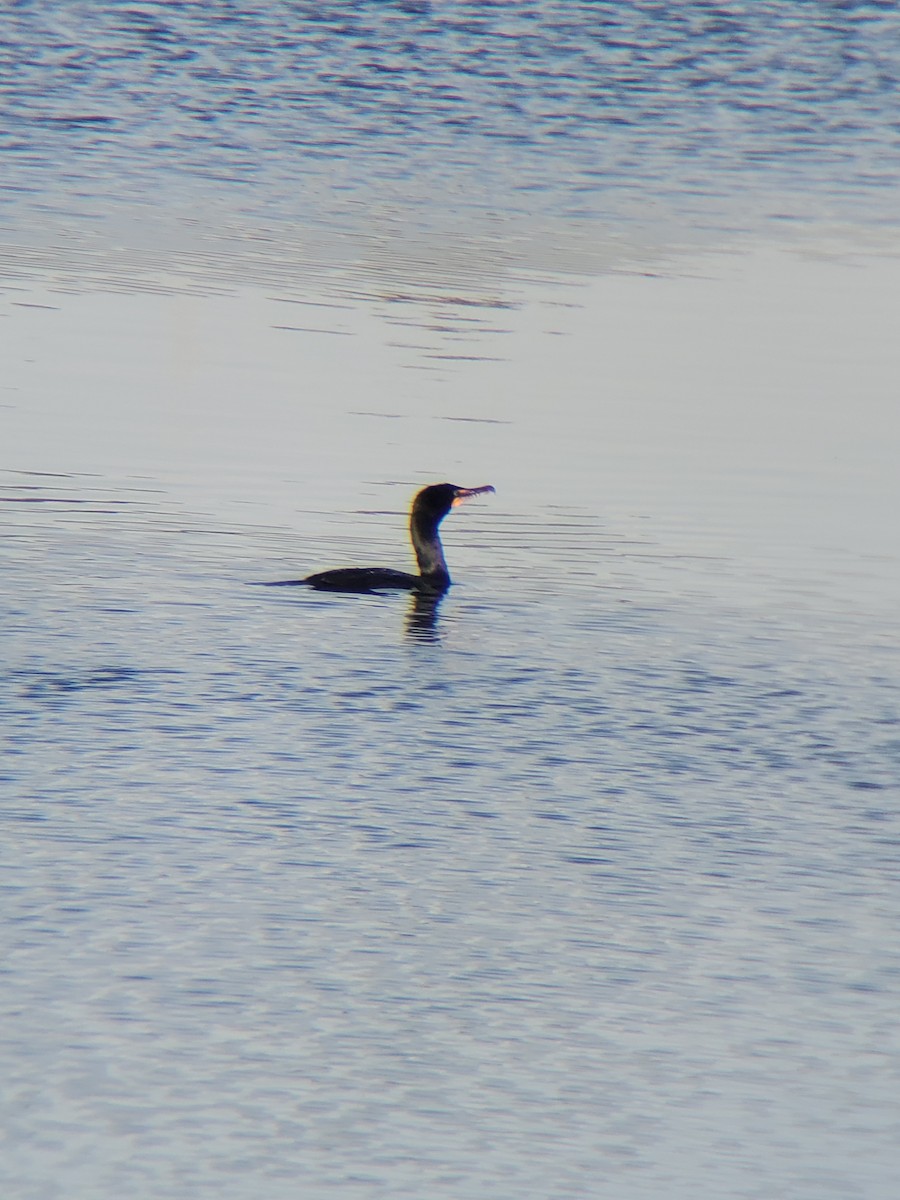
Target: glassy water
585,881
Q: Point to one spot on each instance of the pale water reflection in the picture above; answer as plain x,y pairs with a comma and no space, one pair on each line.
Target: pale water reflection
737,408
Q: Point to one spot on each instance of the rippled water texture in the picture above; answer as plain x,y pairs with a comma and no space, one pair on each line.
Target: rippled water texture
583,881
650,121
591,873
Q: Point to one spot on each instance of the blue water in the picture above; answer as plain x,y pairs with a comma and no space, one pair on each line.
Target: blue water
585,882
544,129
578,880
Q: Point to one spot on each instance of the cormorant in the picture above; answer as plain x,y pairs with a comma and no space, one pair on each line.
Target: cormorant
429,508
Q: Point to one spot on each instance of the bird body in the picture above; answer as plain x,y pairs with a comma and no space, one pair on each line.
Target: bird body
362,579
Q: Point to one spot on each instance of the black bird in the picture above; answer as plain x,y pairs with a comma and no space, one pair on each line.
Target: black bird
429,508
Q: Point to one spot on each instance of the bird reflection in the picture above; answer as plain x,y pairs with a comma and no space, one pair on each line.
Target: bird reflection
421,616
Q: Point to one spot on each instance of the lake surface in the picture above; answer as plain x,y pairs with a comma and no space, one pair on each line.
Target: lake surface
584,883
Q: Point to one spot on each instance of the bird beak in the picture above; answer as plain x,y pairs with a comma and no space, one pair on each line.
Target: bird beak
463,494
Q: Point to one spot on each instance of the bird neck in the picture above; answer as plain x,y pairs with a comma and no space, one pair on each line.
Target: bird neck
423,531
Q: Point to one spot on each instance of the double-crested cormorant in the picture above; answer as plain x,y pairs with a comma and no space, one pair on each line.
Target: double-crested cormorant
429,508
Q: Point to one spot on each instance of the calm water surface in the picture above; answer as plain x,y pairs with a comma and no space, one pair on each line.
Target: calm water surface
586,883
